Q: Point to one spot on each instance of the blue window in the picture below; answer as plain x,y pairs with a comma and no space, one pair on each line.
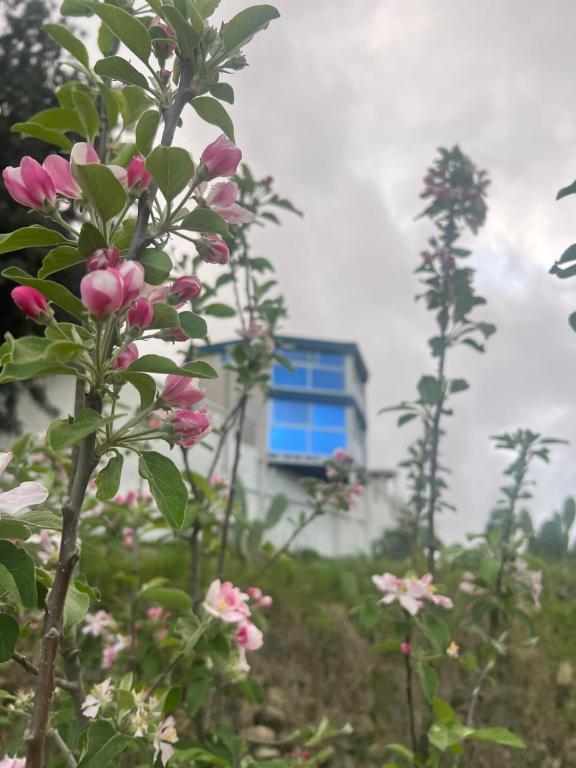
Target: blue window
327,380
329,359
282,377
323,371
309,429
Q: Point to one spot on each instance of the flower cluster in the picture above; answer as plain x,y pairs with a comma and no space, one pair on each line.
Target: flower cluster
102,624
411,593
529,578
343,484
228,603
181,392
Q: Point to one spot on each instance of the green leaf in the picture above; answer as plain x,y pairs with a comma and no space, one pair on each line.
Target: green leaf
70,42
430,390
219,310
9,631
165,316
62,434
76,606
30,237
157,266
193,325
60,258
108,479
186,36
171,168
276,510
103,745
36,518
146,131
168,597
58,119
166,486
53,291
458,385
444,735
565,191
498,736
159,364
13,529
206,7
213,112
437,631
172,700
101,187
21,567
40,132
87,113
144,384
75,8
428,681
106,40
133,103
127,29
205,220
222,91
242,27
405,418
117,68
90,240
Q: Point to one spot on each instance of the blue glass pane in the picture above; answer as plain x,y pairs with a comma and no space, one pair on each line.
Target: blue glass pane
285,440
327,358
328,415
282,377
327,380
294,355
326,443
289,411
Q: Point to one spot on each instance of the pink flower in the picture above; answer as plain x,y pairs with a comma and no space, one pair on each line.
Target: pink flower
132,274
127,356
341,456
184,289
453,650
260,600
112,649
405,649
164,737
254,331
103,258
12,762
83,154
29,184
128,537
226,602
181,391
140,314
156,294
27,494
428,591
191,426
248,636
60,172
221,158
402,590
137,173
99,624
222,200
177,334
155,613
212,249
30,301
102,292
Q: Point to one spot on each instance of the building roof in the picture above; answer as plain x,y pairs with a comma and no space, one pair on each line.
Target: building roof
307,344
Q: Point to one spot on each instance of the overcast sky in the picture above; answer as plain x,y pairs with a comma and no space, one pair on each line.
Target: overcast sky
344,104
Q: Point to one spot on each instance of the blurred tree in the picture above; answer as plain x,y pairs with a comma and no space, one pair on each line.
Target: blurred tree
28,77
552,542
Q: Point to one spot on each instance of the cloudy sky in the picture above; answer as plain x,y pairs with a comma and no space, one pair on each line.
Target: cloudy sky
344,104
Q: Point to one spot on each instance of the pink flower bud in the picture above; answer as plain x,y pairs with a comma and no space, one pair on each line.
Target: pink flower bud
132,274
406,649
177,334
184,289
127,356
212,249
60,173
83,154
248,636
191,426
29,301
102,292
103,258
140,314
29,184
221,158
222,199
137,173
181,391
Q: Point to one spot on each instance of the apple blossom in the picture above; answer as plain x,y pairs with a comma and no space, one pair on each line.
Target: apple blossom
137,173
222,200
191,426
140,314
226,602
127,356
405,649
212,249
453,650
103,258
29,184
111,650
408,595
83,153
27,494
164,737
181,391
184,289
60,172
12,762
132,274
102,292
99,624
221,158
100,695
30,301
248,636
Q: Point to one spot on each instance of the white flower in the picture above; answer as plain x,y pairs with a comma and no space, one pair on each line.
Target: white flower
164,737
101,694
25,495
12,762
99,623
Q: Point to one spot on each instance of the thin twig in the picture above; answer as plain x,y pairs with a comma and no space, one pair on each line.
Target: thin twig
63,748
278,554
26,664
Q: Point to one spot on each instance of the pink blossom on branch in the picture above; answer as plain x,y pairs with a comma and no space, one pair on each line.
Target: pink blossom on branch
30,301
103,258
248,636
60,172
191,426
102,292
12,762
222,200
137,173
99,696
181,391
226,602
83,153
30,184
212,249
184,289
164,738
27,494
127,357
221,158
132,274
411,593
140,314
